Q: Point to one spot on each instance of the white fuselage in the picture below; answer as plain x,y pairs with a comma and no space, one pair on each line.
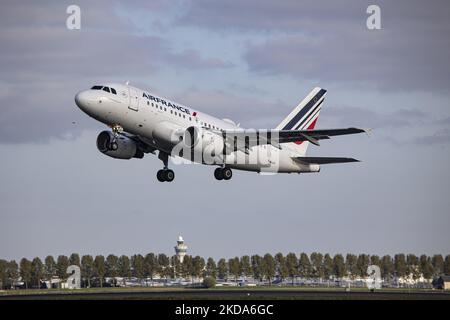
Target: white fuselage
148,116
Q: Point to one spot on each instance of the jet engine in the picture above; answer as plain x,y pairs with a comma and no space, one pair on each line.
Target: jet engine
122,148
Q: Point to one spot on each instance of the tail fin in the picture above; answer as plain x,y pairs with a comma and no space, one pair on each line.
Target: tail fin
304,117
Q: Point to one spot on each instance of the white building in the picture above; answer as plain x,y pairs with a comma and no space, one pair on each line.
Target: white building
180,249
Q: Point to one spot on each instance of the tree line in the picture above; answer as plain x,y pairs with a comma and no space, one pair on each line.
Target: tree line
94,270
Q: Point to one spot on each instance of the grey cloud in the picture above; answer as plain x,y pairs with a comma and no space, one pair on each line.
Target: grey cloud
43,64
400,127
329,41
240,88
311,17
383,59
267,15
39,111
37,42
347,115
439,137
192,59
445,121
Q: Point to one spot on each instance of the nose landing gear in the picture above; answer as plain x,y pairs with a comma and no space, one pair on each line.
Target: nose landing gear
223,173
116,129
113,145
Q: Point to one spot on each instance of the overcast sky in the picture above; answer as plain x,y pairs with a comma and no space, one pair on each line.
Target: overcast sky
250,61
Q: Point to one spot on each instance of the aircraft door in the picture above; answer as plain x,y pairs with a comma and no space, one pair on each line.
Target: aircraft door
134,99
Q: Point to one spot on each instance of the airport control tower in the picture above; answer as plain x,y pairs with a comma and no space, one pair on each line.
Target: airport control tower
180,249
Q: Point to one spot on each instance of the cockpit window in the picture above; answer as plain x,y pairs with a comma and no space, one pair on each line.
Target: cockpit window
107,89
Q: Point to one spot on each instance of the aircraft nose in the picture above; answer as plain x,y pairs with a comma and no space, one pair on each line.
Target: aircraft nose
82,100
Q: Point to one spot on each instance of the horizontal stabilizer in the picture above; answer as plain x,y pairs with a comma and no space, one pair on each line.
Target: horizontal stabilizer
323,160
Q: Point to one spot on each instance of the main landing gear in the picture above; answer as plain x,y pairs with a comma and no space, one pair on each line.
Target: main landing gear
165,174
224,173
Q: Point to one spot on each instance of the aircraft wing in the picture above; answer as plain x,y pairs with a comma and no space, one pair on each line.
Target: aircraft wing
275,137
141,142
323,160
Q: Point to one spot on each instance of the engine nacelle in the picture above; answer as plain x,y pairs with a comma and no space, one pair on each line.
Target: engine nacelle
126,147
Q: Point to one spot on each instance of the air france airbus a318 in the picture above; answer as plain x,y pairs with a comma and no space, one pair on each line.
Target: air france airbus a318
142,122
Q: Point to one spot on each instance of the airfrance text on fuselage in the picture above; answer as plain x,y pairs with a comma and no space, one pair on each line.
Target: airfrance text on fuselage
168,104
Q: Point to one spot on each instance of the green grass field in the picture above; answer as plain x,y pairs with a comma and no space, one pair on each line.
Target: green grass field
285,293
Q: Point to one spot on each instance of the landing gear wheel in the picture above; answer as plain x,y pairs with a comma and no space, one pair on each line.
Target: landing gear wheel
218,174
165,175
169,175
160,176
227,173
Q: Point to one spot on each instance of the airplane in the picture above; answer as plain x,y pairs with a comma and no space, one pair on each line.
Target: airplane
142,122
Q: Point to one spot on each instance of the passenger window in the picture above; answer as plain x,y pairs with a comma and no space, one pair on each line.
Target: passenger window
97,88
190,119
106,89
165,109
113,91
184,117
175,113
148,103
